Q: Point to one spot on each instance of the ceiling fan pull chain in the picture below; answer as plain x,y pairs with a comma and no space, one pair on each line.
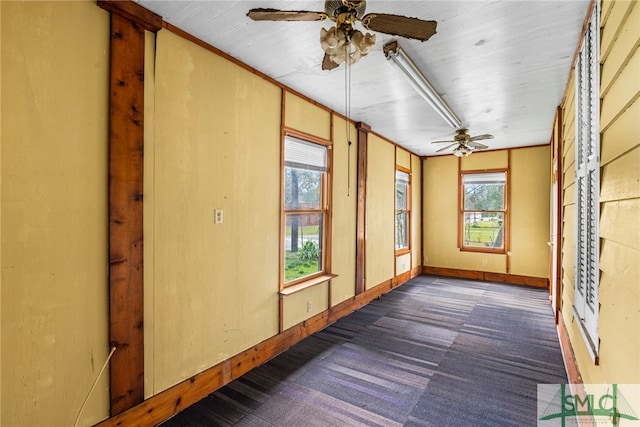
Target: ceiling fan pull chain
347,107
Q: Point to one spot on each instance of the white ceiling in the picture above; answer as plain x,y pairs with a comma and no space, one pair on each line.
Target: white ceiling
502,66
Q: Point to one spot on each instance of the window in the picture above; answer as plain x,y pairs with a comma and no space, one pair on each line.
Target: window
402,210
484,213
587,186
305,209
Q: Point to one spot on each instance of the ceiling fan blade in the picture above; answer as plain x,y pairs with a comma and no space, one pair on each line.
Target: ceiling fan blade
442,142
285,15
477,146
481,137
446,148
328,64
397,25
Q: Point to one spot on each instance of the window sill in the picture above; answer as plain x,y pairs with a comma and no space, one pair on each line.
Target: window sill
290,290
486,250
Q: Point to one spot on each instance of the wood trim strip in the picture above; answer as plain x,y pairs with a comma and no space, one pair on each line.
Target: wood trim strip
507,202
402,277
126,146
570,363
363,138
571,367
133,12
281,259
165,404
559,231
514,279
452,272
416,271
293,289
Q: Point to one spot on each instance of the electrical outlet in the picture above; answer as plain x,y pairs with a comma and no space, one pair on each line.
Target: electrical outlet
218,216
308,306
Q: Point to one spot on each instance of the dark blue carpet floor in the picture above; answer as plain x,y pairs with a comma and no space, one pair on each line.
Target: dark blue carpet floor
434,352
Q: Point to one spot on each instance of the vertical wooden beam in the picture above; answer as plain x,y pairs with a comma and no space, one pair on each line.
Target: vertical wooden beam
558,152
361,226
126,147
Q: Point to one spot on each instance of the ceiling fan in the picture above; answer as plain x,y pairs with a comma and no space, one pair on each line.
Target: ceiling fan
464,143
344,43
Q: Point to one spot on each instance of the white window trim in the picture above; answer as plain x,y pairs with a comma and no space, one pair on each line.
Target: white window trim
587,186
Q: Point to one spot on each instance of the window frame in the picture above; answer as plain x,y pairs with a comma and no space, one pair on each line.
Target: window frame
407,211
506,213
586,284
324,209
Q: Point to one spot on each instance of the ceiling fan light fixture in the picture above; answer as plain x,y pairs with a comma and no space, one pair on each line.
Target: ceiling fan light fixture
403,63
345,46
329,39
462,151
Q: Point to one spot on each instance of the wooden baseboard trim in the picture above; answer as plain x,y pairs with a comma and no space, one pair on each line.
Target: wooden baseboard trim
416,271
514,279
571,366
167,403
402,277
452,272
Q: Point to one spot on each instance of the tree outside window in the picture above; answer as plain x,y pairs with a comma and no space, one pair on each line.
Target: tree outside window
484,211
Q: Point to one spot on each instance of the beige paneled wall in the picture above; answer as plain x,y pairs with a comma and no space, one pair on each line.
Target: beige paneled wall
529,207
345,199
529,195
304,116
403,158
217,146
380,211
416,211
619,317
439,209
54,290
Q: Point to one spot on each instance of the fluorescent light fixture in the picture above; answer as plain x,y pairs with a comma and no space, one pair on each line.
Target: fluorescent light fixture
401,61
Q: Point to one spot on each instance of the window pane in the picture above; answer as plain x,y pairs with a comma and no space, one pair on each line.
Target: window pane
402,229
484,192
484,229
303,245
302,189
402,187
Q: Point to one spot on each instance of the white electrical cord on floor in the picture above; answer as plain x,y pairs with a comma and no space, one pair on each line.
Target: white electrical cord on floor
113,349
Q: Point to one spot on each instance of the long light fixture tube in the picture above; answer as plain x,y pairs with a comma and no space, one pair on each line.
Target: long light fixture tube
401,61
